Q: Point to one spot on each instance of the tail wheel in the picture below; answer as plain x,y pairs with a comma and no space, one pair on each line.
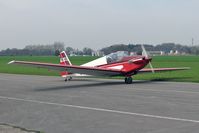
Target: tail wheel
128,80
68,78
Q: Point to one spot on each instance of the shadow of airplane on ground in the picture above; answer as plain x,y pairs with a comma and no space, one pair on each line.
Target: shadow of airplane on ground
103,83
81,86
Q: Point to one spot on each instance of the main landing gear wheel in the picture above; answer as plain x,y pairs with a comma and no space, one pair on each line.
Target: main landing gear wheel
128,80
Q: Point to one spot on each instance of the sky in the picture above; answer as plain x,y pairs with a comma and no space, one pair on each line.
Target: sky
97,23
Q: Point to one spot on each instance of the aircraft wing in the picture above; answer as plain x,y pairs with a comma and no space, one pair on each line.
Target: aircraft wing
72,68
145,70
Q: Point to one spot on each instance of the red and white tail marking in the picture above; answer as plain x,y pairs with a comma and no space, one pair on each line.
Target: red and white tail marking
64,60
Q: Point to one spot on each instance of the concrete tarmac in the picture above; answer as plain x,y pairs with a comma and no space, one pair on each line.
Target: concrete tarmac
51,105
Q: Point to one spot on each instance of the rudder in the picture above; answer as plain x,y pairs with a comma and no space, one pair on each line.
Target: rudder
64,60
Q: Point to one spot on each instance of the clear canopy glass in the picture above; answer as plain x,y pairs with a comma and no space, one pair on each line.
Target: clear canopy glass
117,56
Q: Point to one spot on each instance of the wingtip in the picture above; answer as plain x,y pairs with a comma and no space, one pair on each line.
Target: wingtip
13,61
187,68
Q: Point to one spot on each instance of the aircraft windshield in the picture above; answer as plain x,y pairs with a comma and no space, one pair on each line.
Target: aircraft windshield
115,57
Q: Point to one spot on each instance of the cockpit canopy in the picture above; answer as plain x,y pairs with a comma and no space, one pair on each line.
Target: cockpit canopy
117,56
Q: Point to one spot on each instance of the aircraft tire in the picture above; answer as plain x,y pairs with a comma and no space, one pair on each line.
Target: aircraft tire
128,80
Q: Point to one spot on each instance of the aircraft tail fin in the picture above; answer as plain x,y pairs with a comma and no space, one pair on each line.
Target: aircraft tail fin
64,60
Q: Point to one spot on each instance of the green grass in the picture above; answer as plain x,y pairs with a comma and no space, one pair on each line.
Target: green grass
191,75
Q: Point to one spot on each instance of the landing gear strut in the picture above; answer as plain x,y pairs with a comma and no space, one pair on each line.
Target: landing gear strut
128,80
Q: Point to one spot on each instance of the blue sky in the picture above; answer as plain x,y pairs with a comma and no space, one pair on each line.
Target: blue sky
97,23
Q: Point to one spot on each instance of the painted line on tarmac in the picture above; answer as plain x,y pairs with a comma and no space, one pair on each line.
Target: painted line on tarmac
100,109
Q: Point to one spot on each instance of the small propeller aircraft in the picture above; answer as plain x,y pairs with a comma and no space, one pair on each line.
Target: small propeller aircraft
114,64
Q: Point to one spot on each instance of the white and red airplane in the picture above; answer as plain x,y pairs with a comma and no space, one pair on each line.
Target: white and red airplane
114,64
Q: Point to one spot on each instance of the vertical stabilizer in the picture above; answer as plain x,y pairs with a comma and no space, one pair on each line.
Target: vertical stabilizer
64,60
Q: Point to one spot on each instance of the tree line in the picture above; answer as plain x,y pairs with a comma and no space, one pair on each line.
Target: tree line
44,50
56,47
165,47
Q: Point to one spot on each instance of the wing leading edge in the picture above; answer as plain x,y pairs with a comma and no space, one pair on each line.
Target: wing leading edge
145,70
72,68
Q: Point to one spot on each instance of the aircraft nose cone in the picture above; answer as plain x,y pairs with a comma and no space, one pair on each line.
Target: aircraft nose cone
149,59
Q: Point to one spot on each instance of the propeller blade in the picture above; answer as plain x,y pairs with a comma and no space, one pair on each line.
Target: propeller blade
152,70
146,55
144,51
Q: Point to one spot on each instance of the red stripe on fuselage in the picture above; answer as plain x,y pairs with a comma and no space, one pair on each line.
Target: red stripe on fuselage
129,67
